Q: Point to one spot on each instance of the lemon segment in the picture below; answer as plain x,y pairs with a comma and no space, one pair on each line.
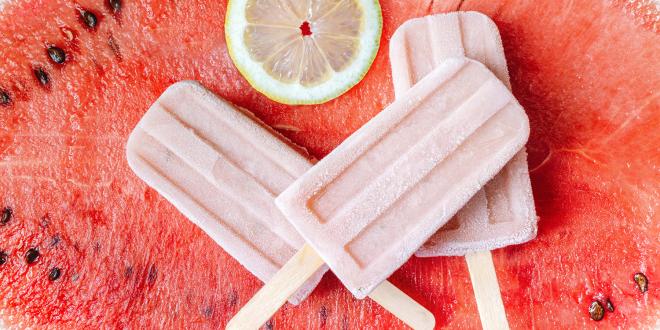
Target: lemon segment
303,51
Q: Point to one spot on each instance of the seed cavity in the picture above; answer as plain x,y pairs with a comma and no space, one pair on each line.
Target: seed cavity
3,258
642,282
596,311
112,43
609,305
89,18
7,213
68,33
115,5
42,76
4,98
54,274
56,54
32,256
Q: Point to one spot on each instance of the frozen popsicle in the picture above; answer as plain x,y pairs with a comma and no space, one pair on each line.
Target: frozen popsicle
192,148
373,201
503,212
223,168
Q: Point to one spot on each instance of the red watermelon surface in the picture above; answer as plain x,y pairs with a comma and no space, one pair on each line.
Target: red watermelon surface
85,243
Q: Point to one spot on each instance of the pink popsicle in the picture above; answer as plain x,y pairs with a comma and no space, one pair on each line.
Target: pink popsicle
372,202
503,212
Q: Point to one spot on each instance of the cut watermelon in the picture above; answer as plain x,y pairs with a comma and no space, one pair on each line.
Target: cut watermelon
113,252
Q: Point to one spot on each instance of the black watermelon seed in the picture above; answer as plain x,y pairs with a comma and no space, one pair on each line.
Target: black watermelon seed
596,311
609,305
4,97
3,258
42,76
56,54
54,274
115,5
89,19
642,282
31,256
7,213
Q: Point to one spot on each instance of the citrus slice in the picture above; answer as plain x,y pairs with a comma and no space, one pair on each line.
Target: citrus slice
303,51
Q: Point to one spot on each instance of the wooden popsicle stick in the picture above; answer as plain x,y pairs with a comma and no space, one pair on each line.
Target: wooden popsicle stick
486,290
295,273
402,306
274,294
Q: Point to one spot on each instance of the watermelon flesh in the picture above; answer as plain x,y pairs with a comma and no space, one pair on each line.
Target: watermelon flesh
586,72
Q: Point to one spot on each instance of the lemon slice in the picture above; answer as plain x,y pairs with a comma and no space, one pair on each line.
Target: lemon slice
303,51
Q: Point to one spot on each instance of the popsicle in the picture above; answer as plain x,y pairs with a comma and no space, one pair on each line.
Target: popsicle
503,212
223,168
373,201
191,147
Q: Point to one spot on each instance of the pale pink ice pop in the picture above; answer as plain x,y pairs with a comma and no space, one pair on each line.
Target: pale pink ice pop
503,212
222,169
374,200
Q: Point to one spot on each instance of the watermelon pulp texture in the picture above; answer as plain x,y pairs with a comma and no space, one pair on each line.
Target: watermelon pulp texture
586,72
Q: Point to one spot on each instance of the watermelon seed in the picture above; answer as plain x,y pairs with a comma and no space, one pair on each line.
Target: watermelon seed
42,76
323,315
152,274
115,5
610,306
269,325
128,272
642,282
31,256
7,212
56,54
54,274
3,258
596,311
89,18
55,240
4,98
233,298
208,312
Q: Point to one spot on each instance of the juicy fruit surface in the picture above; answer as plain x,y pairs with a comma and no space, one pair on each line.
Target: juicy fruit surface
303,52
585,73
